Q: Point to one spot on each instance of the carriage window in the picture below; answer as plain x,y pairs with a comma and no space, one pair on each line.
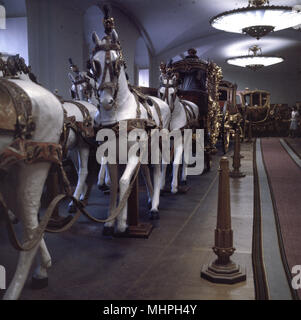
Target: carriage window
247,99
264,98
223,95
256,99
143,78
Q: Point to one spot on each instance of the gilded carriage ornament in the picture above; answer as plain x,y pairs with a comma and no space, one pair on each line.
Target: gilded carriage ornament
214,119
231,114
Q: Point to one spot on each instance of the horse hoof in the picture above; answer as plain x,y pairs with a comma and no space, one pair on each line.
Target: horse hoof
108,231
183,189
38,284
154,215
72,208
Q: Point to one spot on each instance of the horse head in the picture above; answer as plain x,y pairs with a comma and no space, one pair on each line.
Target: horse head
168,87
107,62
81,89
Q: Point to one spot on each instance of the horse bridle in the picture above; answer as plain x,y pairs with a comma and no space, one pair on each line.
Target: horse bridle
111,67
166,94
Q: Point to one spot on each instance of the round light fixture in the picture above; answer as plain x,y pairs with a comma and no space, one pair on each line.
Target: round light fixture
256,60
258,19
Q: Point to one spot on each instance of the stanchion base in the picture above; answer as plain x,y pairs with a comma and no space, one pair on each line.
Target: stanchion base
229,274
142,230
236,174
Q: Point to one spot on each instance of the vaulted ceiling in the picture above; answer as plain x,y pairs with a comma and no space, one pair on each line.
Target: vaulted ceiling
170,27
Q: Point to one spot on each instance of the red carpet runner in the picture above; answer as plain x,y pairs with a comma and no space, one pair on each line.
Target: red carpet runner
285,182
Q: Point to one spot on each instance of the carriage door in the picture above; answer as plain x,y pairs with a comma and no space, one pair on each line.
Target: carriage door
256,99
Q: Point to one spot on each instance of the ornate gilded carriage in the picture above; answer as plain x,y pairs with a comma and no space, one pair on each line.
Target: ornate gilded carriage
261,118
232,118
199,83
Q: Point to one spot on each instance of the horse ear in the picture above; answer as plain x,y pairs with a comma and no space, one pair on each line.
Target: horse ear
114,36
95,38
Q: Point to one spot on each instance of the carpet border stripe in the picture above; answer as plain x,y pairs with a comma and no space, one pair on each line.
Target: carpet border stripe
260,280
291,152
279,233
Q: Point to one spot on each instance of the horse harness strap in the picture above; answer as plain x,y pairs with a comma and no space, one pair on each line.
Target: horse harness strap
158,112
30,152
16,110
83,128
190,116
132,124
145,105
188,110
140,97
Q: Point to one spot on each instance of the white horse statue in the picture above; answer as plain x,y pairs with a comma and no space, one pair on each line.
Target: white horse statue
79,119
50,115
118,103
39,120
184,115
84,89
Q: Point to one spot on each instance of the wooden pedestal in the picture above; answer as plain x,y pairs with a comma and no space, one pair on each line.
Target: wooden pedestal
135,228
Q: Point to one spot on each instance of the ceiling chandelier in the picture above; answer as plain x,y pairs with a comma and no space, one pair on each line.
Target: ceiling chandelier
254,61
258,19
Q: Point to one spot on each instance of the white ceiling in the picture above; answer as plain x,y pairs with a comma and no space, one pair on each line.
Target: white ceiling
170,27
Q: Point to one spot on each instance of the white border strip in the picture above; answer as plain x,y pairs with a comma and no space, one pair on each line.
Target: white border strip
291,152
278,286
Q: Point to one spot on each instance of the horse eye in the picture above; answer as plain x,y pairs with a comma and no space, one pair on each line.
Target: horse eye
97,68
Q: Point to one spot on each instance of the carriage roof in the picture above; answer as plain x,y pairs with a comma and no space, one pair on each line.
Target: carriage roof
189,64
227,84
247,91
